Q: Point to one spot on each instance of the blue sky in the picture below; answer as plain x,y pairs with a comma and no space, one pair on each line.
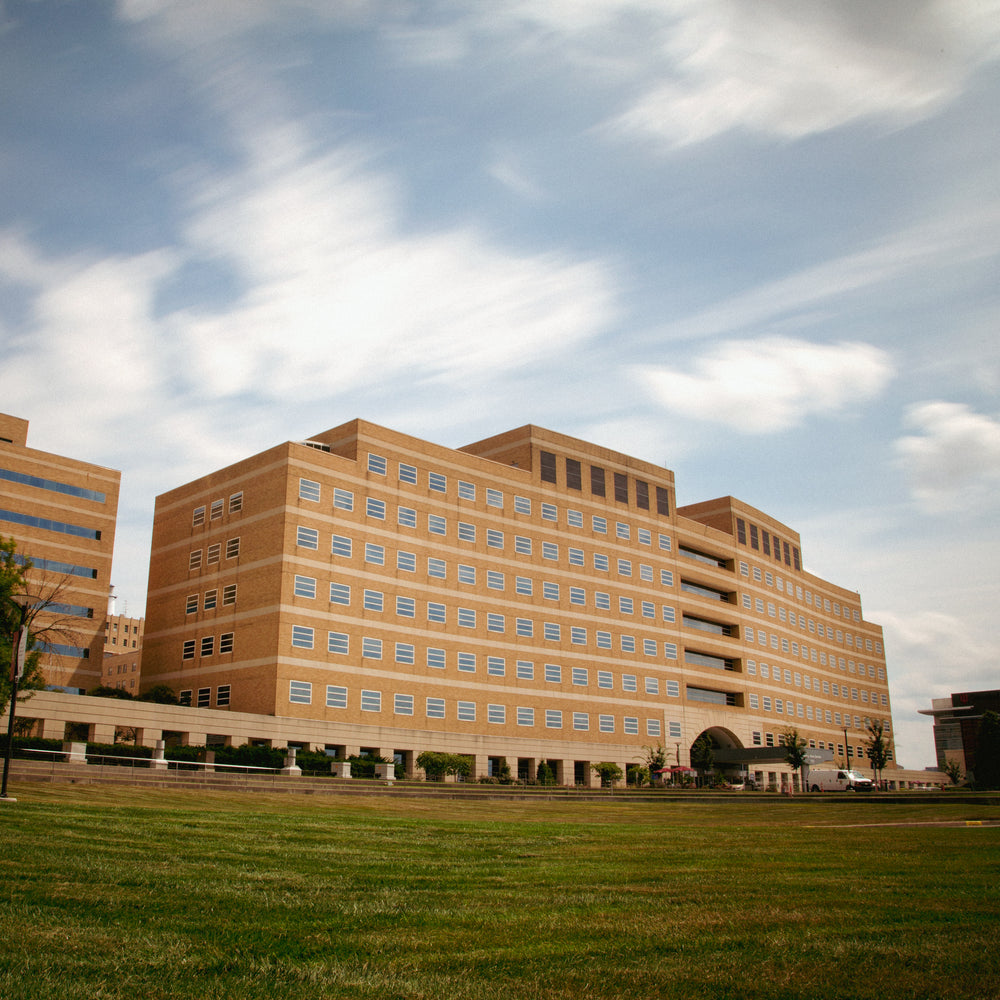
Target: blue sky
756,243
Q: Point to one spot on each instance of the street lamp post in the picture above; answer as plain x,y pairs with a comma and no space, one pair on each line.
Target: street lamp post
18,651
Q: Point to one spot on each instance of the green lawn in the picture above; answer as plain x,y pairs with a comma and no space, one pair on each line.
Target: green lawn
111,893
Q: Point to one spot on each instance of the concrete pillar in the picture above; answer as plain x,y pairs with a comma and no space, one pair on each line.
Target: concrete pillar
76,753
590,779
159,761
352,750
340,768
480,767
52,729
290,767
208,756
385,772
102,733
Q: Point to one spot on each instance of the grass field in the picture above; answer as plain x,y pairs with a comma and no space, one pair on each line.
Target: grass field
110,893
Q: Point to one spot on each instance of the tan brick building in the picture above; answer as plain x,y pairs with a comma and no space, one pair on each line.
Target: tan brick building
122,652
62,514
527,597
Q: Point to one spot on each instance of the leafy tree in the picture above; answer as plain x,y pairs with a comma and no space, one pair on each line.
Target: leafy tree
703,753
544,775
987,766
105,691
796,755
954,771
437,765
655,760
160,694
35,596
878,749
608,772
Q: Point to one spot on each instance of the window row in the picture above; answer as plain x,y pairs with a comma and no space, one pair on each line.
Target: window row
203,699
206,646
215,509
338,697
768,672
795,590
210,599
811,653
824,631
598,482
213,553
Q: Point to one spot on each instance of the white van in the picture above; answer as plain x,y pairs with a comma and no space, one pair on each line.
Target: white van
838,781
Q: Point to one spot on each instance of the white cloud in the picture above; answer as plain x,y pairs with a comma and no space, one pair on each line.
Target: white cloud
770,384
953,459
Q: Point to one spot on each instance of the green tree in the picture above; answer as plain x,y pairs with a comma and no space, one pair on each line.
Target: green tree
17,598
655,760
105,691
545,775
160,694
796,755
987,763
878,750
954,771
608,772
437,765
703,753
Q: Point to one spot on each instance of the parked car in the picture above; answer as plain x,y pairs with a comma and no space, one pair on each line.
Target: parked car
841,780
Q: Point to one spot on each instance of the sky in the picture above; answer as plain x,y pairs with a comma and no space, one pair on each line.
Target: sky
756,243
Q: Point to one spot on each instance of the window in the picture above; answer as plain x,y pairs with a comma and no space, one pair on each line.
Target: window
580,676
371,701
621,487
466,711
374,600
436,524
522,585
574,518
603,639
337,642
198,517
645,536
308,490
496,714
192,604
212,554
625,606
402,704
525,670
406,517
550,550
207,645
576,557
377,464
525,716
466,491
673,689
406,607
406,562
435,658
654,727
211,599
622,530
336,696
522,545
494,498
550,591
435,612
670,650
602,600
184,698
435,708
652,685
437,482
194,560
629,682
340,593
496,623
553,673
666,578
553,718
466,574
407,473
631,725
305,586
494,580
343,499
552,631
374,554
342,546
547,466
494,538
466,531
525,627
597,481
375,508
302,636
577,595
601,562
549,512
436,567
300,692
225,646
371,649
222,695
624,567
466,618
581,721
496,666
606,723
307,538
522,505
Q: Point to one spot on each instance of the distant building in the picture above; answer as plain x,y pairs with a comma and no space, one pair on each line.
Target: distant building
123,653
62,512
529,597
956,725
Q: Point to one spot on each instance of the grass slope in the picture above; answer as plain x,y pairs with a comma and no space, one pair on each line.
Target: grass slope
110,894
